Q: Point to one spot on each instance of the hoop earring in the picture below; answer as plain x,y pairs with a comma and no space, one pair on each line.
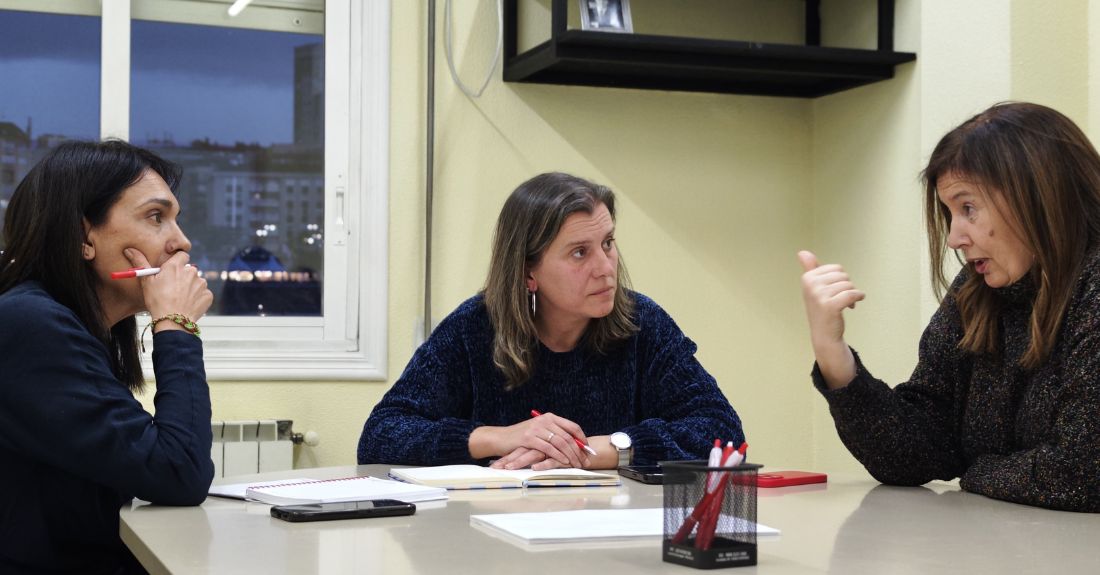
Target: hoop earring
531,297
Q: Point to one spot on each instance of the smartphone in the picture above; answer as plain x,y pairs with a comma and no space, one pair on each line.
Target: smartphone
788,478
651,474
342,510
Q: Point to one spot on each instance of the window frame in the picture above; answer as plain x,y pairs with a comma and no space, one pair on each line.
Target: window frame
348,342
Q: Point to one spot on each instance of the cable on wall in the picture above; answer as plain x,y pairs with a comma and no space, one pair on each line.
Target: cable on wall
429,177
448,49
429,195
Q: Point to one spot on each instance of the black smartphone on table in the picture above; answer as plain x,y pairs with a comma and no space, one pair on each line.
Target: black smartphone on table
342,510
651,474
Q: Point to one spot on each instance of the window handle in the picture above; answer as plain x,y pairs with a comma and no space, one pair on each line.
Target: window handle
340,237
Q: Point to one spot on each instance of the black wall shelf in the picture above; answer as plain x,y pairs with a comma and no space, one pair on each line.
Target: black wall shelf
608,59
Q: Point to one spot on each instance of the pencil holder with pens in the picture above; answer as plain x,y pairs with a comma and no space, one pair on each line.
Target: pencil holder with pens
709,514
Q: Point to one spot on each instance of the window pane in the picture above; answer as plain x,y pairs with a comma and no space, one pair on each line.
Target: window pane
49,89
243,112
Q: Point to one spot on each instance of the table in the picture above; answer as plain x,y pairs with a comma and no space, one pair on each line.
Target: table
851,525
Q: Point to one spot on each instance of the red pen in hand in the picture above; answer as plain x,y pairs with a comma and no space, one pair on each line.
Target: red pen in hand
134,273
580,444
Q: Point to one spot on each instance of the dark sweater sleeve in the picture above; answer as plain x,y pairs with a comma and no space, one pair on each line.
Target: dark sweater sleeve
424,418
907,435
682,409
1062,472
62,405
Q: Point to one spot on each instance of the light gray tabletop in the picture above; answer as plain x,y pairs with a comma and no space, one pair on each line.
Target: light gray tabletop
851,525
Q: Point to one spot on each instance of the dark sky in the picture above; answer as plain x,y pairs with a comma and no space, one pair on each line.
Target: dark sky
188,82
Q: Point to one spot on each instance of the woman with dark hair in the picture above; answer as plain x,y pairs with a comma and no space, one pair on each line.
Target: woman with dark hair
557,329
76,444
1006,392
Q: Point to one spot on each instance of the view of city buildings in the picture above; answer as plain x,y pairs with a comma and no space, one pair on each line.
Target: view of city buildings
254,213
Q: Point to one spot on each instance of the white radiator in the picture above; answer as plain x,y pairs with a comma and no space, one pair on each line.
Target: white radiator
256,446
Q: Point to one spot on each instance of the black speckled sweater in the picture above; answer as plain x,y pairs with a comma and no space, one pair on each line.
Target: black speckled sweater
650,387
1031,437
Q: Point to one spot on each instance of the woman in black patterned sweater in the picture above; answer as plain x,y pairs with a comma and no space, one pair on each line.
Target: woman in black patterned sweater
1006,392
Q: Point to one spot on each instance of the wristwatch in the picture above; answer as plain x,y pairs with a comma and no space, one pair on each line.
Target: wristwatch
624,446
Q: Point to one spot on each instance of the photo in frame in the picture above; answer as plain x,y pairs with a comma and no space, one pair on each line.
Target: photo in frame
606,16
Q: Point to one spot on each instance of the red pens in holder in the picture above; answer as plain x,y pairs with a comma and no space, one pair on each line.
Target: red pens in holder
697,513
710,510
713,511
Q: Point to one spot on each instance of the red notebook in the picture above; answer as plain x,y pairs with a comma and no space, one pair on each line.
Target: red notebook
788,478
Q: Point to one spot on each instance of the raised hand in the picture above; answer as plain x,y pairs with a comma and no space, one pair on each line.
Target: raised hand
827,291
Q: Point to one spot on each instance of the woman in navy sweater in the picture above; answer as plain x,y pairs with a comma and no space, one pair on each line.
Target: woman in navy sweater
557,330
76,444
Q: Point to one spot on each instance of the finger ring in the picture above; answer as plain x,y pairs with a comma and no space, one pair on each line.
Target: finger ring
550,437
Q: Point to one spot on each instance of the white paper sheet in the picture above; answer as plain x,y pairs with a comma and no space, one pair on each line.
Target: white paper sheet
585,525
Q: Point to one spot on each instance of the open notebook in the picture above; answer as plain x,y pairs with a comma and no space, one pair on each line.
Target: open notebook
477,477
346,489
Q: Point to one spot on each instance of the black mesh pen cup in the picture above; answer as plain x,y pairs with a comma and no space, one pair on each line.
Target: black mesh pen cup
710,514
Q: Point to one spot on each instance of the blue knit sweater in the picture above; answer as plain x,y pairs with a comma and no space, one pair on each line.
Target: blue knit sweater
77,445
650,387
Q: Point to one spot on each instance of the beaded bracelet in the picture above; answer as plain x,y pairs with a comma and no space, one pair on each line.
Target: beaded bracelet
178,318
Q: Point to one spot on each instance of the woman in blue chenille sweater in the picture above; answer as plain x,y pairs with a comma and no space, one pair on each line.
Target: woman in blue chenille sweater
556,330
75,443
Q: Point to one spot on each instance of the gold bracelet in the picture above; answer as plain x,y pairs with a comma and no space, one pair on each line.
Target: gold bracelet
177,318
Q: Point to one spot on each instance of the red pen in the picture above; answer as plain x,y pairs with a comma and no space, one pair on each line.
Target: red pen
715,460
709,523
135,273
580,444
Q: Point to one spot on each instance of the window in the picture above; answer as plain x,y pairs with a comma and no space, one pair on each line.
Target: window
247,105
261,110
49,70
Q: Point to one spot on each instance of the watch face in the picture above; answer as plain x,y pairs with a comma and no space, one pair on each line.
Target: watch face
620,440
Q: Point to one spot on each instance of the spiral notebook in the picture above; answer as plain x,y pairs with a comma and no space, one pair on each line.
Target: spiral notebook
477,477
344,489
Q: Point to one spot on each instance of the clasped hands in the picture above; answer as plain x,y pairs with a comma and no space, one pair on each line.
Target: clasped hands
545,442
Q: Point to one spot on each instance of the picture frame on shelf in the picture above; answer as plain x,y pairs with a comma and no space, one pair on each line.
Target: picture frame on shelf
606,16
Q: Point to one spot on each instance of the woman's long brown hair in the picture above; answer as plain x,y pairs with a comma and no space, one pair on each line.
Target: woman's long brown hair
1042,174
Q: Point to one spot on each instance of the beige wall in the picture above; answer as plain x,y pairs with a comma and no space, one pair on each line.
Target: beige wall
717,193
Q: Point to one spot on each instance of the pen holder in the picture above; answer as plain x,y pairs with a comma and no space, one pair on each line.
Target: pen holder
709,528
